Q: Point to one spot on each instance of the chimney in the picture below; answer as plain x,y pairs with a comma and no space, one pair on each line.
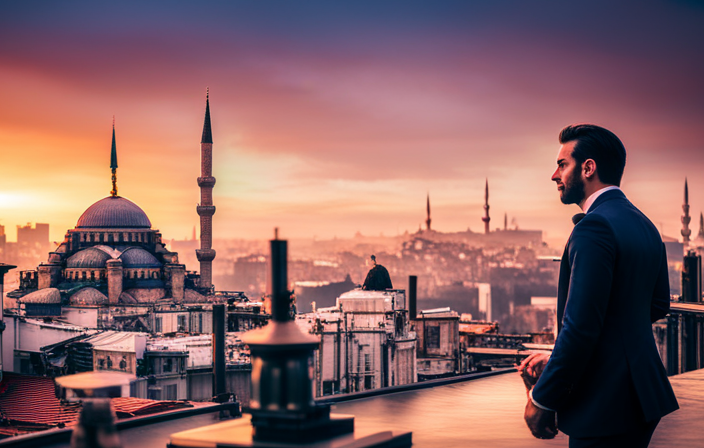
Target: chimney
691,277
218,349
412,290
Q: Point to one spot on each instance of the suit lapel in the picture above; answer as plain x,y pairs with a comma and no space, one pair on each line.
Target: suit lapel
563,285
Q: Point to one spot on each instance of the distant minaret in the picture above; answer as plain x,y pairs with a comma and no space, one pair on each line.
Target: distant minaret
505,221
486,218
701,225
206,209
685,218
113,161
194,233
427,220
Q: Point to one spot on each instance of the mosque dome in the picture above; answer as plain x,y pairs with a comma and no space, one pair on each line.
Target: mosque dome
42,296
91,258
114,212
135,257
88,296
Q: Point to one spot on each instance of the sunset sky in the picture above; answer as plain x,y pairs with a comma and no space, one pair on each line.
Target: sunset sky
336,117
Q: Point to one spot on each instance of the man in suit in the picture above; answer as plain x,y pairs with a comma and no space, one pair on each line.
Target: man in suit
604,378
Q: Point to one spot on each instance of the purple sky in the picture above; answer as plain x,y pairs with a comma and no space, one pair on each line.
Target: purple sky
336,117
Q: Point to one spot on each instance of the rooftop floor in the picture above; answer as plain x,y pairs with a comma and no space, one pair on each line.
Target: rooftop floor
489,412
478,413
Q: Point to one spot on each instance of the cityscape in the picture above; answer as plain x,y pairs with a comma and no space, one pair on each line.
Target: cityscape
357,261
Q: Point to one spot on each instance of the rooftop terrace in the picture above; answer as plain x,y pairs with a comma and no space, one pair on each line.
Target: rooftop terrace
481,412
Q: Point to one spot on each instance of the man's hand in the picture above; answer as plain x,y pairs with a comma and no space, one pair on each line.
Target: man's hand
531,368
541,423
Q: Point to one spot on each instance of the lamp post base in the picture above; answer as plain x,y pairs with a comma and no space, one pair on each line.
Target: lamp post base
239,434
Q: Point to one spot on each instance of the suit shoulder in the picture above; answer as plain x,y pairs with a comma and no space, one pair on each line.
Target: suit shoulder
593,221
592,228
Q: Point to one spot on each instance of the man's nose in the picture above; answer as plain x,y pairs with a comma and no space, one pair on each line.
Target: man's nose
556,175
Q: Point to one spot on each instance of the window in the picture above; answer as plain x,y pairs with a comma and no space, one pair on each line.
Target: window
157,325
181,323
171,392
367,362
330,387
368,382
109,363
432,335
101,363
123,364
154,393
168,365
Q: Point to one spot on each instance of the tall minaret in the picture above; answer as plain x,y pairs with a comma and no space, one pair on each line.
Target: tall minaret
206,209
486,218
685,217
113,161
701,225
427,220
505,221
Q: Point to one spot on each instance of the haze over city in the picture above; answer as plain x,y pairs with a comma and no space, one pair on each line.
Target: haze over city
333,118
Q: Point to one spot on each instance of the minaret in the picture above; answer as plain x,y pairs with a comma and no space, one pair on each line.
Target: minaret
486,218
427,220
685,217
701,225
505,221
206,209
113,161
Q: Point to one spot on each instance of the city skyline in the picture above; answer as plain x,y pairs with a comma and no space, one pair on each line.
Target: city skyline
332,119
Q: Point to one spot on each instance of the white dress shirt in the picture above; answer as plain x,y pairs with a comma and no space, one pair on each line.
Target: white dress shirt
590,200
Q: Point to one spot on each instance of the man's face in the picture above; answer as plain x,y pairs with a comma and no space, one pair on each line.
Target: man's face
568,176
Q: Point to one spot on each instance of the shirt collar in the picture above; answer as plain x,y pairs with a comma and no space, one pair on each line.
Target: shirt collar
590,200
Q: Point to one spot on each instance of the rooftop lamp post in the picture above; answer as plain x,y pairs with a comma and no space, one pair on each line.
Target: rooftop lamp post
282,404
283,412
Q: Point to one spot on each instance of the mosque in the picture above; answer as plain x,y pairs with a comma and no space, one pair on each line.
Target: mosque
113,259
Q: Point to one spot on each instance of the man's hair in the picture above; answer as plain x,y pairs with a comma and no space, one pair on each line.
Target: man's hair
600,145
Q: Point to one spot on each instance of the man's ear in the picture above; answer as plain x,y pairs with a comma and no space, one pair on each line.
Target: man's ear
589,168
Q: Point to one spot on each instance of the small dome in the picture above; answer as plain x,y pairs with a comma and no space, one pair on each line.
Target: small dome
88,296
46,295
114,212
91,258
136,257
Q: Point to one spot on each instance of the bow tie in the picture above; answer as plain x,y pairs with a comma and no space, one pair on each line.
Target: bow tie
578,217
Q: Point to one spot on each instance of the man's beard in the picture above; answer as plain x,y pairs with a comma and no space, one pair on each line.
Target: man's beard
574,191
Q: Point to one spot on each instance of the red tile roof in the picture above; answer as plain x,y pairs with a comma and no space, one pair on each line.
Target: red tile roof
28,404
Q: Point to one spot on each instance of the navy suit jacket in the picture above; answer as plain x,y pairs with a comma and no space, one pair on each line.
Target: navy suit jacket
605,376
